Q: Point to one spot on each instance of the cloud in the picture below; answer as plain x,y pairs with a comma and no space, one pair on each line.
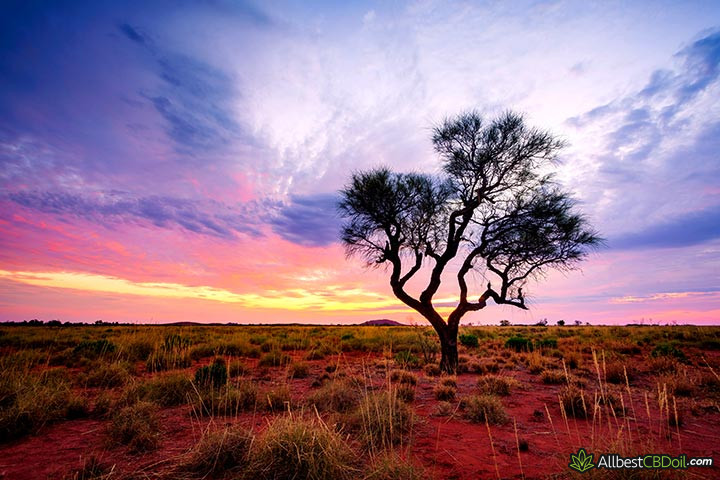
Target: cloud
200,217
309,220
131,33
193,98
653,145
682,231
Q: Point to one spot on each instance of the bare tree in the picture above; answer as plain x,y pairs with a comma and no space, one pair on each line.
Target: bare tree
491,211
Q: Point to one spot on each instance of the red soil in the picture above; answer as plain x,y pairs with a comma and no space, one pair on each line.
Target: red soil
449,447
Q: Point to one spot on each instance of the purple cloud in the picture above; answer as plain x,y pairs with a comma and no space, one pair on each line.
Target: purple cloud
111,209
308,220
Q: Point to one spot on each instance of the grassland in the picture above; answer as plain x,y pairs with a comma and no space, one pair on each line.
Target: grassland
132,402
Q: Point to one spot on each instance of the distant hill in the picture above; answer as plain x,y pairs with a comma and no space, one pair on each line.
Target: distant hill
382,322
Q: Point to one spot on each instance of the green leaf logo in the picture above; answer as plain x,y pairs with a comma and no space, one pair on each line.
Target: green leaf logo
581,461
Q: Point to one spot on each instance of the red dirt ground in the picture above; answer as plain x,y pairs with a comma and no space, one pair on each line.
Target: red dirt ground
449,447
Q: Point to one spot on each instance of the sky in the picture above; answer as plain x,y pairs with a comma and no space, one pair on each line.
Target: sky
180,161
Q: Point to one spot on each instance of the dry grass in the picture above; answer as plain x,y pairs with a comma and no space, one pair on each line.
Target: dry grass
219,453
136,426
482,408
496,384
297,447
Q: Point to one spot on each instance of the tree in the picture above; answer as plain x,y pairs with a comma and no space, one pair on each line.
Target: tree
492,211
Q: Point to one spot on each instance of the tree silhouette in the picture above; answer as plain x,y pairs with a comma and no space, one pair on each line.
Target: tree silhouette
492,211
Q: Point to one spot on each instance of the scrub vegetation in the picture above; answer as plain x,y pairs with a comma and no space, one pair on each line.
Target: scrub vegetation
315,402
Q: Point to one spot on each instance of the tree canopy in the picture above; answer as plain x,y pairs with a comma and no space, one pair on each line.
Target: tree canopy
492,208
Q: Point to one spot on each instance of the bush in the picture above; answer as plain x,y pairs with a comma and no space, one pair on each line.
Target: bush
406,359
299,448
237,369
107,375
575,402
30,400
519,344
469,340
166,390
553,377
547,343
444,392
384,419
481,408
213,375
136,426
94,348
403,376
405,392
229,400
667,350
277,398
339,395
274,358
615,373
219,452
298,370
496,385
432,370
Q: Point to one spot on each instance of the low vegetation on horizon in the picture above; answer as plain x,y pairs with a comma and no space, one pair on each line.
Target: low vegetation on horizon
322,402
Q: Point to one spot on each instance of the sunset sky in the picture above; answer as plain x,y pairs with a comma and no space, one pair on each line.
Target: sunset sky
180,161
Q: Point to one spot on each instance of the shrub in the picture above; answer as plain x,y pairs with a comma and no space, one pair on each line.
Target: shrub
163,358
219,452
213,375
30,400
403,376
519,344
300,448
449,381
228,400
77,407
274,358
94,348
546,343
553,377
277,398
166,390
383,418
202,351
298,370
444,392
496,385
615,373
667,350
677,383
575,402
406,359
135,426
405,392
107,375
237,369
138,350
432,370
469,340
481,408
339,395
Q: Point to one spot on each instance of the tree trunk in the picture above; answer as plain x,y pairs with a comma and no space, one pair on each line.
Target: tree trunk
448,349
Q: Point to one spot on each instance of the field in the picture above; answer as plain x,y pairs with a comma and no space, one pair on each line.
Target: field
247,402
